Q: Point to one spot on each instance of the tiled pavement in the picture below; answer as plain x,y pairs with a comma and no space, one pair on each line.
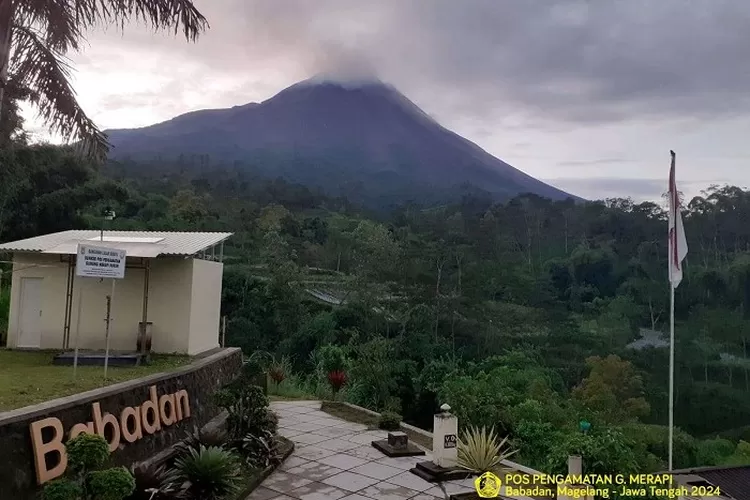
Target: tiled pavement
334,460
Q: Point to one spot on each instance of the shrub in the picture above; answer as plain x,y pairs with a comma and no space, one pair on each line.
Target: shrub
252,426
208,473
389,421
248,410
251,369
331,358
62,489
111,484
259,451
87,452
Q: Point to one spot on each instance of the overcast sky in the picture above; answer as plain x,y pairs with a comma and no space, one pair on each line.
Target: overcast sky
587,95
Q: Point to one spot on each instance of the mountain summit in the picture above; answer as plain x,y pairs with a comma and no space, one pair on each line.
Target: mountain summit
362,139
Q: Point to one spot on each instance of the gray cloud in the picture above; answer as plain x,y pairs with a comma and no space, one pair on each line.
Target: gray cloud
599,188
561,90
588,163
575,60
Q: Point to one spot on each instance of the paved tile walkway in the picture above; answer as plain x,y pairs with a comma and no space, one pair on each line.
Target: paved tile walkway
334,460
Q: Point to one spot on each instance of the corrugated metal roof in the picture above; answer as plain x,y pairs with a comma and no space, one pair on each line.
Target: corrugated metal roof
169,242
734,482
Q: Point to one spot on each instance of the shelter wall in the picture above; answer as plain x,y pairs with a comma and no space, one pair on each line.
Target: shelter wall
205,307
126,310
176,328
169,304
54,274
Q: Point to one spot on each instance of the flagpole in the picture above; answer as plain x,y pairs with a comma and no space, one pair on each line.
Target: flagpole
671,372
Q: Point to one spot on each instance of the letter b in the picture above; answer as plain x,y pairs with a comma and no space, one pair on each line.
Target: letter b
42,449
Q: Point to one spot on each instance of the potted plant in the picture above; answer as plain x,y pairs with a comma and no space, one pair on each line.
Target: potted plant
481,451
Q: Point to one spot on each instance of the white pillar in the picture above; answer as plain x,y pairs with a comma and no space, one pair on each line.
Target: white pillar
575,468
445,438
575,465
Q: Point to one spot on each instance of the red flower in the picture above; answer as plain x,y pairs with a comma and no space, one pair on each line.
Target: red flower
337,379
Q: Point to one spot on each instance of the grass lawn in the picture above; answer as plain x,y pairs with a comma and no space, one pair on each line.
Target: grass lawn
28,378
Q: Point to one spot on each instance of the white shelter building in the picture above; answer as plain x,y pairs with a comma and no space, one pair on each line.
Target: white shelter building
170,295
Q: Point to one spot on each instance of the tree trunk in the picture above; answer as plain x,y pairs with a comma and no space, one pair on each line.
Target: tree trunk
338,262
459,259
705,371
654,318
440,264
453,335
744,350
6,24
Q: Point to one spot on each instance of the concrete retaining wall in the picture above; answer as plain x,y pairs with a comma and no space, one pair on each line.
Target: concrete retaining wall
424,438
124,409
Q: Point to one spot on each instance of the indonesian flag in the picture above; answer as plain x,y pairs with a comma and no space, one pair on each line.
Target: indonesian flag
678,248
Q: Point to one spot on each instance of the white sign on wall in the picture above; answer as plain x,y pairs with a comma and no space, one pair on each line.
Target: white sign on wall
100,262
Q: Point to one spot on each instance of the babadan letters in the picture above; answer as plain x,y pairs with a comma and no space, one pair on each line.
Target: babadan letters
134,422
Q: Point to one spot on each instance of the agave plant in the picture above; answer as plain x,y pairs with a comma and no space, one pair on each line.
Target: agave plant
207,473
214,438
480,450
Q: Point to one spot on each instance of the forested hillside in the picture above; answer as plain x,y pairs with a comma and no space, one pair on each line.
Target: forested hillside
519,315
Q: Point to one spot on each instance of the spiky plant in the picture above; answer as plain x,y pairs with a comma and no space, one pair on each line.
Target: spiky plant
216,437
277,373
36,35
480,451
153,483
259,451
337,380
207,473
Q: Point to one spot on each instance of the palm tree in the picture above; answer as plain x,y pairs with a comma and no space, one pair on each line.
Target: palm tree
35,35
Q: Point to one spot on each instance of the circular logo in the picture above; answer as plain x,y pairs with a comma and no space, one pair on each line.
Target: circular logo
488,485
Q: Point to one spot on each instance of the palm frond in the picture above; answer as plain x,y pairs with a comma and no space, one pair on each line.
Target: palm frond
53,17
37,66
65,19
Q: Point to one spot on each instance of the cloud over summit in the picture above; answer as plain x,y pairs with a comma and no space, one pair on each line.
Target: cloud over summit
577,81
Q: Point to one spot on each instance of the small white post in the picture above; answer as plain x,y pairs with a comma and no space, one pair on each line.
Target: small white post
575,471
109,320
78,330
445,438
575,465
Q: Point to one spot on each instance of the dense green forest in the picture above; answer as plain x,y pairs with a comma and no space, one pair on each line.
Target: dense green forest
521,315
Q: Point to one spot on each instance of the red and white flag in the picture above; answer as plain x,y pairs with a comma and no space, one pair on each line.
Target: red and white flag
678,248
